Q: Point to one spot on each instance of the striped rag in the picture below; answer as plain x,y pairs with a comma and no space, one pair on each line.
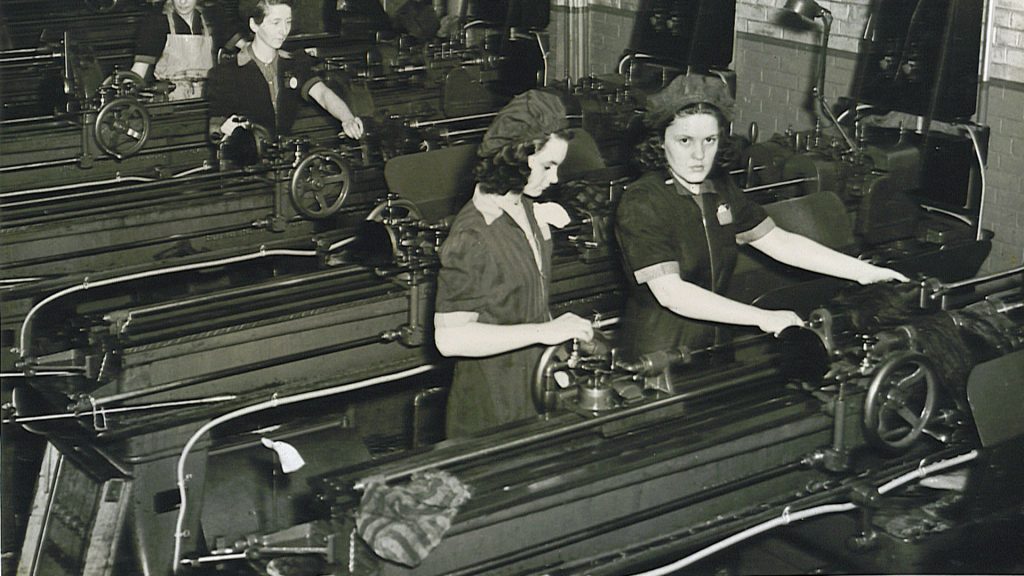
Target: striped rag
404,523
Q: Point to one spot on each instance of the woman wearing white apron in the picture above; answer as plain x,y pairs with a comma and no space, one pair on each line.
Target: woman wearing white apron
180,44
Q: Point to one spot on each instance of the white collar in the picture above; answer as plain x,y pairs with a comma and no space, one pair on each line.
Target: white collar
245,55
684,184
489,205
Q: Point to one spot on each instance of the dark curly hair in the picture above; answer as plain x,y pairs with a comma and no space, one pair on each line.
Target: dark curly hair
650,152
508,169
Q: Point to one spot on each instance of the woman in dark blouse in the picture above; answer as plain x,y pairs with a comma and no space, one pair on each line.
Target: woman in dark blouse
678,230
492,299
266,85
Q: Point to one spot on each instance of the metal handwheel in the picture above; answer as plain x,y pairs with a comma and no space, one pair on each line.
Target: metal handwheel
900,401
124,79
544,386
394,210
122,127
320,184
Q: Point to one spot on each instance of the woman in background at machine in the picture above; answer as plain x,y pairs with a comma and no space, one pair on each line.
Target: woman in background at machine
266,85
179,44
678,230
492,291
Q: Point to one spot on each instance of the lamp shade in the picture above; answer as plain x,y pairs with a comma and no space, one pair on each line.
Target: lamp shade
808,9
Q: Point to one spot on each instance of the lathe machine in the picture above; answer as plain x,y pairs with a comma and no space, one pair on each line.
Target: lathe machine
224,358
635,465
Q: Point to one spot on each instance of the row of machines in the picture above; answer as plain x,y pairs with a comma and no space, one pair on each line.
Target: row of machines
655,464
116,207
174,322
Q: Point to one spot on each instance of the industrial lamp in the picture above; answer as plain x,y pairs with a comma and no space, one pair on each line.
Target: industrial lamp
810,10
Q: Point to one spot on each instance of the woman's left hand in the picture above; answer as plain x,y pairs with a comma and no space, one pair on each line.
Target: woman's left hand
353,127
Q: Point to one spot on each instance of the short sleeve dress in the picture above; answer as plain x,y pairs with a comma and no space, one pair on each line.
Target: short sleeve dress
490,269
662,228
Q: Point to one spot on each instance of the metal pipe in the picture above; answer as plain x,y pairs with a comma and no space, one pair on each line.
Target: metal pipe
63,187
123,409
23,340
425,123
139,184
986,63
35,58
974,281
738,171
467,132
47,119
780,184
20,51
46,164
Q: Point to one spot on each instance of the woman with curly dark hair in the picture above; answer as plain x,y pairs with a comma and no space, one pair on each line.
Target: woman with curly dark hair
680,224
492,291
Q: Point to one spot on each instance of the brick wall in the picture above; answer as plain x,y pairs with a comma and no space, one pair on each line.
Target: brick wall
608,25
1003,210
1004,206
1008,40
775,69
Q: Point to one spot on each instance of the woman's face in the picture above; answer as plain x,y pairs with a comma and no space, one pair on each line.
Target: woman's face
690,146
544,166
184,7
276,26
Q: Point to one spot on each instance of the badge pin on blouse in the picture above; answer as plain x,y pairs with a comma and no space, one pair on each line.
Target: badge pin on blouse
724,215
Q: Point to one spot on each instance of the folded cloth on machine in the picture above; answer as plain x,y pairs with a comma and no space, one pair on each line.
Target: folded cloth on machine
404,523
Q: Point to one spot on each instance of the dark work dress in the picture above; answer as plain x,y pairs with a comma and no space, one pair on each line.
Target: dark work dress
490,269
663,229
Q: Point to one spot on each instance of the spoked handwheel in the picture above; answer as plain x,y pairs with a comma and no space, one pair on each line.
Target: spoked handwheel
320,184
900,401
122,127
394,210
124,80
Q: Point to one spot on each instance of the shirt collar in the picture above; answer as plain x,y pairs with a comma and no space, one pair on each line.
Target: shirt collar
706,187
490,206
245,55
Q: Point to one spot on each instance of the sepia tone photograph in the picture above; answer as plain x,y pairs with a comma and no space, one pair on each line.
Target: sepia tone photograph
511,287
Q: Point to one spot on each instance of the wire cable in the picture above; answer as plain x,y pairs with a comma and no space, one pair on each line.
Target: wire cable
789,517
86,284
273,402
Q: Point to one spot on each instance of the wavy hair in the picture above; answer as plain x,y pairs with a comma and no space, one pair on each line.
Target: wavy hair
650,152
508,168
